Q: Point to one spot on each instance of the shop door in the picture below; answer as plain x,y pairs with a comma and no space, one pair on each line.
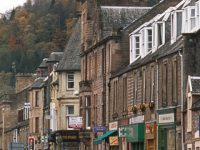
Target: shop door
138,146
150,144
162,138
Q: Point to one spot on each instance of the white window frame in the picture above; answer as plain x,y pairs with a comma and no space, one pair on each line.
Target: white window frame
174,22
187,19
197,7
68,88
155,35
67,110
131,48
147,42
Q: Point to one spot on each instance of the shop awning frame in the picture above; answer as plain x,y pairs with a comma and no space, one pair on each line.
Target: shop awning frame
102,137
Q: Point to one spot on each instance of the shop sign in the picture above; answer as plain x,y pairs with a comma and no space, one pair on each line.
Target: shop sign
166,118
113,140
135,132
113,125
150,130
122,132
99,128
135,120
68,135
123,122
75,122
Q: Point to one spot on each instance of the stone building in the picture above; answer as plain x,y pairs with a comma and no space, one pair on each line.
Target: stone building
15,114
64,105
101,55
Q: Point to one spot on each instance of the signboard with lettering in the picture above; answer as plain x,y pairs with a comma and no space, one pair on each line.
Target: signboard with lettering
99,128
166,118
75,122
113,125
68,135
113,140
150,130
135,120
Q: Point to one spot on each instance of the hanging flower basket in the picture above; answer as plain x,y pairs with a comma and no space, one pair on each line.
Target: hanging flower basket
142,107
134,109
151,105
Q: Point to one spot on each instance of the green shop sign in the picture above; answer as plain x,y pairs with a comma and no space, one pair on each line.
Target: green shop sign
134,132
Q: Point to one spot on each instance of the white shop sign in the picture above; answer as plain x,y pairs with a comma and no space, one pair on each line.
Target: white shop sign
166,118
138,119
113,125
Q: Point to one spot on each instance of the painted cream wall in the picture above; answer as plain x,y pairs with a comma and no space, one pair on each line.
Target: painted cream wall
67,97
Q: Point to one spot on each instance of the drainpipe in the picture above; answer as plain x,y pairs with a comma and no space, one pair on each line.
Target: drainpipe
182,119
157,84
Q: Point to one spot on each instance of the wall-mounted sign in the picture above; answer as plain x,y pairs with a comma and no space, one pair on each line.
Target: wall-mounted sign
113,140
166,118
138,119
122,132
113,125
75,122
99,128
150,130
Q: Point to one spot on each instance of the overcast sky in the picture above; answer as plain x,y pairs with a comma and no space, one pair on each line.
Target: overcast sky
10,4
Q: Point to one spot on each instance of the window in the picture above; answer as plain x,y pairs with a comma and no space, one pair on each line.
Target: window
95,65
189,115
36,98
176,25
134,47
135,86
159,33
115,95
164,84
70,81
174,82
192,18
37,125
197,14
20,115
152,84
70,110
143,85
189,21
124,93
88,111
149,40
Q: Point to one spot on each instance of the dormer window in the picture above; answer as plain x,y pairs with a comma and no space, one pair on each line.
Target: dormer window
176,25
146,41
134,47
197,14
158,34
149,39
189,21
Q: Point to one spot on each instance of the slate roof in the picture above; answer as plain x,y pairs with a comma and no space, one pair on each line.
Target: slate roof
44,63
38,83
116,18
71,57
195,83
55,57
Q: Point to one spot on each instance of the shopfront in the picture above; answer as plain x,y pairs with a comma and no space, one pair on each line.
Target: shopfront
166,129
65,139
150,135
135,136
122,133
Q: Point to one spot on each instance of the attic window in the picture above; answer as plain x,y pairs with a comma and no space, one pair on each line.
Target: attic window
189,22
176,25
134,47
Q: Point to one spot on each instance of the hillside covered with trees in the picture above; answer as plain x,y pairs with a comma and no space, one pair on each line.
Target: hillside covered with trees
30,32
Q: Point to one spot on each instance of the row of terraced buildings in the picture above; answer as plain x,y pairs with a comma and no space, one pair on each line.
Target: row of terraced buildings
128,79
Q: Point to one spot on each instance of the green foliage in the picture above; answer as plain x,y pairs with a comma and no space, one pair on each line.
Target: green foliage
32,32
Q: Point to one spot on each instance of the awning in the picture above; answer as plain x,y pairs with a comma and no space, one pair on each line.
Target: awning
102,137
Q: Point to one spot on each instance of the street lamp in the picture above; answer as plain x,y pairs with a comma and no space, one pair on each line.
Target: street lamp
3,129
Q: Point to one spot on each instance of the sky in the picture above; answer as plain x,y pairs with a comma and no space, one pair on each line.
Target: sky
10,4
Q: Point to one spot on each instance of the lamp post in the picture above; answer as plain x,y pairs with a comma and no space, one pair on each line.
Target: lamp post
3,129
